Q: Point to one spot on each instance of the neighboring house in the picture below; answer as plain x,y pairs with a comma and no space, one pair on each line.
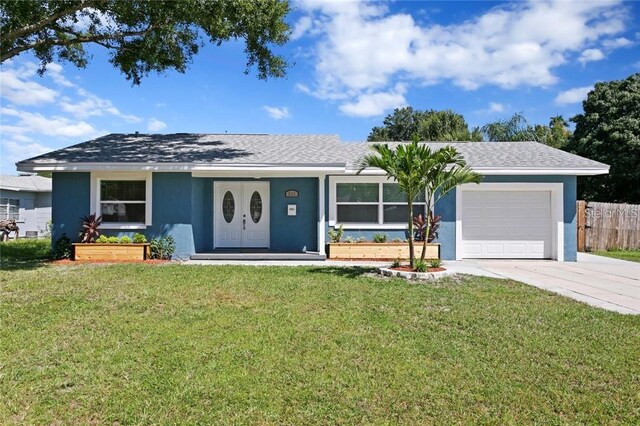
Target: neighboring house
27,200
283,192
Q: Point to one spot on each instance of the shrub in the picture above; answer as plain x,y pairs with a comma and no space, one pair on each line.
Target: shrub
435,263
163,248
102,239
335,235
63,248
125,240
420,265
90,226
112,240
396,263
139,238
380,238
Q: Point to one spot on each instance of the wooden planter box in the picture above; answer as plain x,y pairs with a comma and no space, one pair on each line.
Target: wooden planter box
380,251
100,251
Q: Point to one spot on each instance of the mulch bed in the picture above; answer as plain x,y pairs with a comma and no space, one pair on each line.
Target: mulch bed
78,262
410,269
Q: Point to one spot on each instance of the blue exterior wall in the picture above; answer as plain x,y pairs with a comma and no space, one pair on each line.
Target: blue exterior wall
446,208
70,201
294,233
183,208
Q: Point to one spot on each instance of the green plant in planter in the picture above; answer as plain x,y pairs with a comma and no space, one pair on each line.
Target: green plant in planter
139,238
125,240
435,263
361,239
335,235
380,238
102,239
63,248
397,240
349,240
163,248
420,265
112,240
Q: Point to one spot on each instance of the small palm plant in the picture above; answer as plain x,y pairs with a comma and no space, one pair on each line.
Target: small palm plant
90,226
445,169
404,164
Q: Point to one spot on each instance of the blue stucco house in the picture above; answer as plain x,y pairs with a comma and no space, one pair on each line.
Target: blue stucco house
281,193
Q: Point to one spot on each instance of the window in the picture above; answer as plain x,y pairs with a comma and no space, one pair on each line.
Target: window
373,203
10,208
123,199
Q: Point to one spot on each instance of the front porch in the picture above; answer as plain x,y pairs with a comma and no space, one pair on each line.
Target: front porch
258,255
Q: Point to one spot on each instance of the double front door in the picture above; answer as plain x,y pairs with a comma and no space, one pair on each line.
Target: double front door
241,214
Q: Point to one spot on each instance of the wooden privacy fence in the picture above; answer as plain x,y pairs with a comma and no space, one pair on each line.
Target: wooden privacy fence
603,226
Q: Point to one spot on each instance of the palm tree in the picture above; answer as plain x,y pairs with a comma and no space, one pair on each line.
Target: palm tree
404,164
415,167
444,169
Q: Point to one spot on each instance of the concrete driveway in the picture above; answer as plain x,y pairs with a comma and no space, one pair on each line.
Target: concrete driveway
599,281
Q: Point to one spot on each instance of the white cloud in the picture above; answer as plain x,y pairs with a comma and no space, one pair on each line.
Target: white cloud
573,96
17,90
591,55
301,27
91,105
495,107
55,71
29,122
617,43
277,113
156,125
373,104
14,151
363,49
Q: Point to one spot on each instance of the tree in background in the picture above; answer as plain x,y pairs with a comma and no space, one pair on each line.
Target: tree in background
514,129
429,125
609,131
143,35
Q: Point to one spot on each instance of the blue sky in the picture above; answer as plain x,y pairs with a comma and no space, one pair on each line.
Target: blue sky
352,64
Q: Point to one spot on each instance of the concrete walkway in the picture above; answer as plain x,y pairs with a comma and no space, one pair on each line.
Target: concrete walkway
599,281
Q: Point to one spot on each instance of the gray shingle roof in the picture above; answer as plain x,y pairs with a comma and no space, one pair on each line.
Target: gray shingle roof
311,150
200,149
508,155
25,183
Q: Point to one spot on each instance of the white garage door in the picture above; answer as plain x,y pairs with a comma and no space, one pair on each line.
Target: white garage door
506,224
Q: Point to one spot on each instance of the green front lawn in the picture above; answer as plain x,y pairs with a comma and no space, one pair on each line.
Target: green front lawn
175,344
631,255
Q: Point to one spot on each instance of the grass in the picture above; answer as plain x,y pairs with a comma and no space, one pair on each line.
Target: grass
167,344
631,255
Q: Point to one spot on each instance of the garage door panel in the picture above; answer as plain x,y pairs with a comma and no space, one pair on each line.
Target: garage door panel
506,224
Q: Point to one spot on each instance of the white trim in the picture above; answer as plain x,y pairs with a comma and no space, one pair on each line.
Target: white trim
524,171
94,196
557,209
333,205
231,169
321,216
274,170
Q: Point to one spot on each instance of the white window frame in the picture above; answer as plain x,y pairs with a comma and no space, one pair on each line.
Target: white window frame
8,205
95,206
333,204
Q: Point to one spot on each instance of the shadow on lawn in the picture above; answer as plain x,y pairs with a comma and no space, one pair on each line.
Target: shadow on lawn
24,254
343,271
